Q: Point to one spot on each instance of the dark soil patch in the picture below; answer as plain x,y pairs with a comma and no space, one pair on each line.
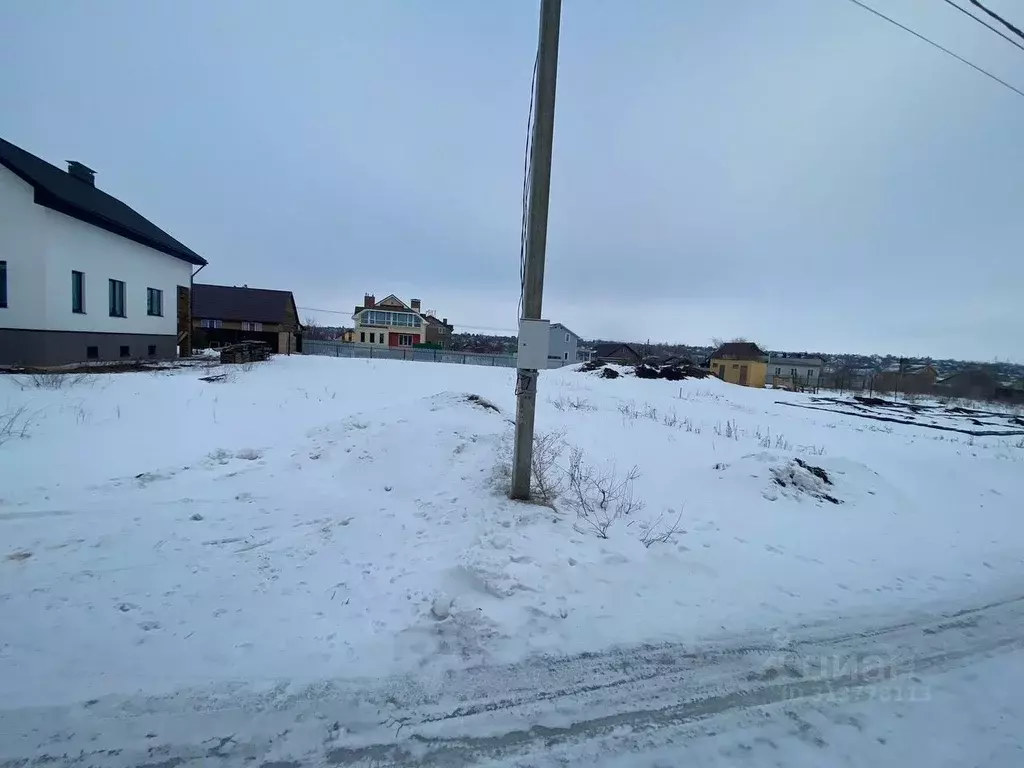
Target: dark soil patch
609,373
671,371
591,366
19,557
852,410
487,405
215,378
818,472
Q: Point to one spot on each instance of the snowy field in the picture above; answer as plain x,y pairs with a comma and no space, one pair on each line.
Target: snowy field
316,519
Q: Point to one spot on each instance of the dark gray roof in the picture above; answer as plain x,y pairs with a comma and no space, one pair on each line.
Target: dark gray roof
612,349
228,302
60,191
739,350
435,321
798,361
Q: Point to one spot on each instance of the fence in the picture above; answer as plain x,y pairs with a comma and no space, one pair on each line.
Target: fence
371,351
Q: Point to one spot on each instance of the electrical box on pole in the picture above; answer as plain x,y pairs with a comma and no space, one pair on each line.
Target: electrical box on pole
534,342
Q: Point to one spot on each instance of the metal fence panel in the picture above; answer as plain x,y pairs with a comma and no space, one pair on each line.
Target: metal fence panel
377,352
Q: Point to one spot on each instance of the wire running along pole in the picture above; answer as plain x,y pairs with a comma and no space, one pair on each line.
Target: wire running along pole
536,235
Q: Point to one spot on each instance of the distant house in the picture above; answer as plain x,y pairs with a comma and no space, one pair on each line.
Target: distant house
615,352
439,332
911,379
227,314
346,335
563,346
972,384
391,322
797,373
84,277
740,362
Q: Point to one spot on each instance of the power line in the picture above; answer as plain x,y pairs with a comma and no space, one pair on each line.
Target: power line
941,48
527,180
998,18
984,23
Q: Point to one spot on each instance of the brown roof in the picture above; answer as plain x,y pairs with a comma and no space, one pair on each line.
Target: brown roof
738,350
230,302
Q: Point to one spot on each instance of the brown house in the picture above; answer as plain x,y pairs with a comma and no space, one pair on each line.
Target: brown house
439,332
614,352
911,379
226,314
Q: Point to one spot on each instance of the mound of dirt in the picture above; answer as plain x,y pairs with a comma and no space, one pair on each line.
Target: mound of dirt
797,477
667,371
671,371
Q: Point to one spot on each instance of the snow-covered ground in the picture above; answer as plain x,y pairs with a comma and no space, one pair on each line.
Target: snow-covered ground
319,519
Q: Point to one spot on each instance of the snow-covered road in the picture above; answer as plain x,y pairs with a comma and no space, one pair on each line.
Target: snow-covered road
921,689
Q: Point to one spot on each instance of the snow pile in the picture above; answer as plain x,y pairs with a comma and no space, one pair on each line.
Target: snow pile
316,517
797,477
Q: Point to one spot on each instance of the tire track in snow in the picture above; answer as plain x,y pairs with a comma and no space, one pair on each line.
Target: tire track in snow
511,712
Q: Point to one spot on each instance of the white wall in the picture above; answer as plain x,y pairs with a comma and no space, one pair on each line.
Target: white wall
74,245
22,245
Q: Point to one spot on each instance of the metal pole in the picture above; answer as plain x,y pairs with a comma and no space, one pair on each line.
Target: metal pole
536,234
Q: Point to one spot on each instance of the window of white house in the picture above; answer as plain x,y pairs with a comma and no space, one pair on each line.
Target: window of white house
78,292
373,338
248,326
209,323
3,283
567,338
566,356
117,308
375,317
793,372
362,337
154,302
778,371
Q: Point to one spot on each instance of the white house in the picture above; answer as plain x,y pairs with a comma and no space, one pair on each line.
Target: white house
82,275
794,372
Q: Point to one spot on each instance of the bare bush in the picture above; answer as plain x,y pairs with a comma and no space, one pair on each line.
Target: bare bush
814,450
629,411
660,532
572,404
598,497
547,480
782,444
15,424
671,419
52,380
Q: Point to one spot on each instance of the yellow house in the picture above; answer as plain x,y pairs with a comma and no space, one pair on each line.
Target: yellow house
740,362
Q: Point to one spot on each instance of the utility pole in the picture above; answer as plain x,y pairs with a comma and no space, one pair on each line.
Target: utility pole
536,236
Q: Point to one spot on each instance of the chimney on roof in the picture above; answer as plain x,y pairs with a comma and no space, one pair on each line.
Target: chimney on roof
415,303
82,172
369,300
444,321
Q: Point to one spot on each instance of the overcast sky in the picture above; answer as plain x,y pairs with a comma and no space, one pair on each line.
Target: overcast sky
797,172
